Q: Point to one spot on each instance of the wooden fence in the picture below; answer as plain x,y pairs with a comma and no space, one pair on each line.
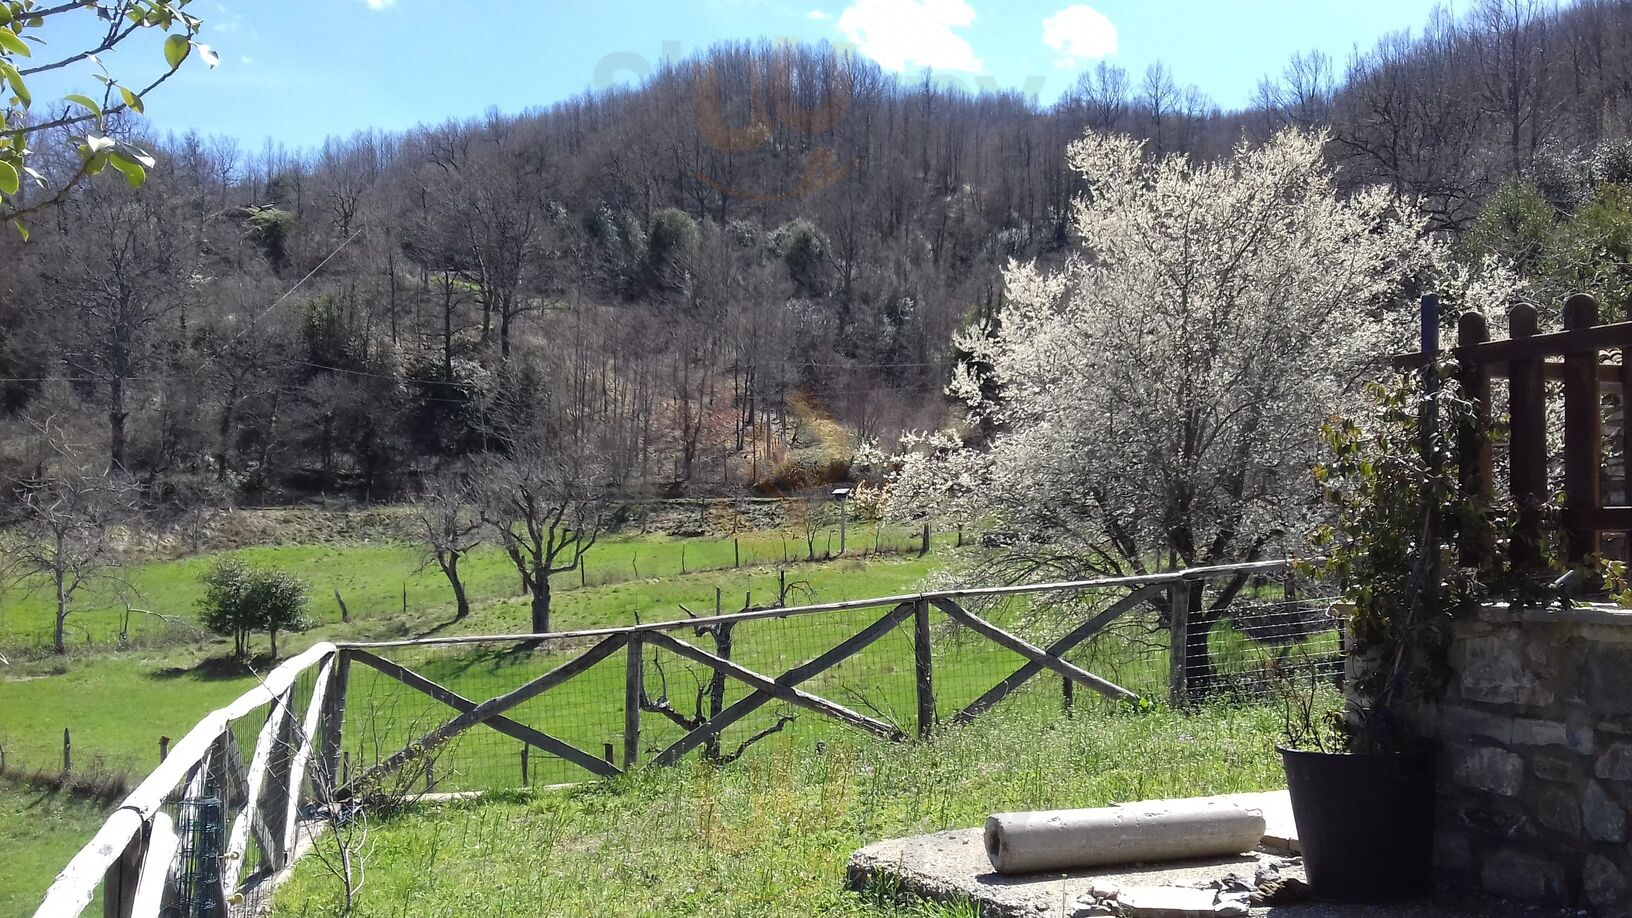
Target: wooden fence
1577,357
296,759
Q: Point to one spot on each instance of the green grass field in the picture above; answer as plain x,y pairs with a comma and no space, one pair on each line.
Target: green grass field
118,704
375,578
769,835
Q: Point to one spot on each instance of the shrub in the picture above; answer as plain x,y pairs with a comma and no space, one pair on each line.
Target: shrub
240,600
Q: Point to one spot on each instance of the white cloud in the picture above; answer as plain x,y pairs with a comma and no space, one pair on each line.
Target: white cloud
1079,33
903,33
818,15
380,4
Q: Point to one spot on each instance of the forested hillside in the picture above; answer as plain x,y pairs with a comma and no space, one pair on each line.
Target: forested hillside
725,278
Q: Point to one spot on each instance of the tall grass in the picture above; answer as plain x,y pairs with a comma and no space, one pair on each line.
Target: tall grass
770,835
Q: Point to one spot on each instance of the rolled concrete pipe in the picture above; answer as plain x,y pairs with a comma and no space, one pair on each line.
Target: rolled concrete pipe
1156,830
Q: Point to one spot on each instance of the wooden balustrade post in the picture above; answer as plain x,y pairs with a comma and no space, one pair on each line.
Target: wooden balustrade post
277,790
1626,435
1583,436
1527,447
923,668
1475,468
122,878
634,687
329,777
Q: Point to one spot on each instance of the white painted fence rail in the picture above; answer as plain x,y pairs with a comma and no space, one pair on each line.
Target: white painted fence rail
134,856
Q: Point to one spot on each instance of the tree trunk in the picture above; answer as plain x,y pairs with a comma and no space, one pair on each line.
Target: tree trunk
59,641
224,432
541,599
116,422
450,567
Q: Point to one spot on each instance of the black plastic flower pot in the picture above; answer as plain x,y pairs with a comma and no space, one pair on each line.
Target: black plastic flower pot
1365,822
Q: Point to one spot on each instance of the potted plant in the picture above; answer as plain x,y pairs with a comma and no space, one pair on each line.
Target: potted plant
1410,545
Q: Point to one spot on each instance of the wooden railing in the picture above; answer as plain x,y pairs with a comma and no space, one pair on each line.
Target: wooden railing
297,760
133,857
1526,360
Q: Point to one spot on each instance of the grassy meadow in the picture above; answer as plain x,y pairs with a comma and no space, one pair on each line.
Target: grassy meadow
769,836
118,703
720,838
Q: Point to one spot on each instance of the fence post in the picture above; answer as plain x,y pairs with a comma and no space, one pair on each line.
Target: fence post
524,748
635,673
276,791
1527,444
333,726
924,548
1068,691
67,751
923,672
1583,442
1626,433
1474,466
164,748
123,876
1178,677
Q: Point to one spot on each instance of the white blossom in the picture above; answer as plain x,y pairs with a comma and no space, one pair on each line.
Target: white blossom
1159,395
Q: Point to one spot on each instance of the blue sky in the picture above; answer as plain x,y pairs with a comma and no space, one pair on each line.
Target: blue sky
299,70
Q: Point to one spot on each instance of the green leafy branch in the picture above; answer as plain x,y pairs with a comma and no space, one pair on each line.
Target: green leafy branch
23,189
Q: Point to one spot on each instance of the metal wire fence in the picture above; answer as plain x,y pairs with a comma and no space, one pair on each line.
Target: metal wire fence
1239,654
393,720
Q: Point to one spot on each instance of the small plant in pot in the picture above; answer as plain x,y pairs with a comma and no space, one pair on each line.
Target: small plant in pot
1411,545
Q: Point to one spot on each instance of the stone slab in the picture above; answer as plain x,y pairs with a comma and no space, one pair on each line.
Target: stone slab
953,867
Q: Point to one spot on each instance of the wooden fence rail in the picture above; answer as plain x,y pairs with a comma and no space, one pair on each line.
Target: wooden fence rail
133,856
296,758
1577,358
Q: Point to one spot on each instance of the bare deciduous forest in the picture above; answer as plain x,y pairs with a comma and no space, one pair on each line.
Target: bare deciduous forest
724,279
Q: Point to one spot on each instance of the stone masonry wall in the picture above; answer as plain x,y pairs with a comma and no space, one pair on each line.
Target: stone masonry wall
1535,762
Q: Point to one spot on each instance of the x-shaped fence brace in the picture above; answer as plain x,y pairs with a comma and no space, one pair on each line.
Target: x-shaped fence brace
784,688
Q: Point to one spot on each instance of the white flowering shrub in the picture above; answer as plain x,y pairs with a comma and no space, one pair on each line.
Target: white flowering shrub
1159,398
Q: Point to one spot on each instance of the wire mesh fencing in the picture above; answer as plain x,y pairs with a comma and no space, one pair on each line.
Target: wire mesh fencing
552,709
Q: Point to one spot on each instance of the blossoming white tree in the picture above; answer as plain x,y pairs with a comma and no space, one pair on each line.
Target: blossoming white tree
1158,399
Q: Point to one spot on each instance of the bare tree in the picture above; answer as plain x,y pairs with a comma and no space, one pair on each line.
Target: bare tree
67,537
450,526
546,504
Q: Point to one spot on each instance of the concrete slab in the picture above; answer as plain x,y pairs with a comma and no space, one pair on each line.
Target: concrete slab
953,867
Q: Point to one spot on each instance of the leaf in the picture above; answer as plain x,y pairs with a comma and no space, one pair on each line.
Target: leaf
134,174
175,50
21,229
85,102
8,178
97,144
208,55
132,100
5,14
10,42
9,74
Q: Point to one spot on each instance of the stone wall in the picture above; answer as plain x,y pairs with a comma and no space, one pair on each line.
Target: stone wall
1535,766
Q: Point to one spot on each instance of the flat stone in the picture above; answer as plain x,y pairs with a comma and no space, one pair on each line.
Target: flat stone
953,867
1490,769
1493,670
1616,763
1167,902
1554,766
1556,809
1609,679
1602,881
1452,852
1524,876
1602,816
